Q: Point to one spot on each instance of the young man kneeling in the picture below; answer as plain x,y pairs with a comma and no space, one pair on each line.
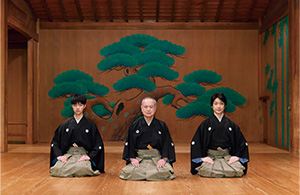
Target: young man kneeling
77,149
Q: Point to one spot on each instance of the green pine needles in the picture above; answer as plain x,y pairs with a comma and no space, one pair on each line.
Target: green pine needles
143,58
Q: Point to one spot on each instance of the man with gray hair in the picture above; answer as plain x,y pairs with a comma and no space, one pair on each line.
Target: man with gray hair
149,150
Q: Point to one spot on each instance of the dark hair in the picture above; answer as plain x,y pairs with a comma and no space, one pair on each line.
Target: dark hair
78,98
221,96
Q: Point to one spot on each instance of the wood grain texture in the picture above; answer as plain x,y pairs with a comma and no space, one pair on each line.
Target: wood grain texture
294,36
25,170
149,25
30,91
276,11
17,93
19,18
231,53
3,70
36,91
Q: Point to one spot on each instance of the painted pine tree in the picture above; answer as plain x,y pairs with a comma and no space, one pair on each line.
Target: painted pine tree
143,59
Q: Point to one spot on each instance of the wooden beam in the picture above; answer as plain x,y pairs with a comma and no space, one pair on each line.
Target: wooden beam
110,12
79,10
62,7
277,10
146,26
188,10
125,11
266,10
294,73
236,7
141,10
30,92
203,10
32,10
20,21
157,10
95,10
220,6
50,18
251,10
3,71
173,11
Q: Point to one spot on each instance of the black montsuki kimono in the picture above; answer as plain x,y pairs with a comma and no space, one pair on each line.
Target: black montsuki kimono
85,134
142,136
232,139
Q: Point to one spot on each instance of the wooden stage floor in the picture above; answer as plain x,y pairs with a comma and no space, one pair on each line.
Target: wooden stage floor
25,170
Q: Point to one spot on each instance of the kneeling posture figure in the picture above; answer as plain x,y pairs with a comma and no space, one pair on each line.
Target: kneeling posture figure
149,149
218,148
77,149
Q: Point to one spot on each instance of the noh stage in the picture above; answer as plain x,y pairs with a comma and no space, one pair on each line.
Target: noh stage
25,170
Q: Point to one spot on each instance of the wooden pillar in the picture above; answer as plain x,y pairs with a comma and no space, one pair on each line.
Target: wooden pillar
20,19
30,90
294,75
3,51
36,87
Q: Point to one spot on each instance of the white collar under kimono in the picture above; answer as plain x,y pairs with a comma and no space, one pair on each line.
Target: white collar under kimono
150,121
220,118
77,121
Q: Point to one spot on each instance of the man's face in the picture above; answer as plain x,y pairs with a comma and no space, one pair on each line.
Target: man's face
218,106
78,108
148,108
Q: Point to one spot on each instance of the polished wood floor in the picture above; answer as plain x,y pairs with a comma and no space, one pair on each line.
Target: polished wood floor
25,170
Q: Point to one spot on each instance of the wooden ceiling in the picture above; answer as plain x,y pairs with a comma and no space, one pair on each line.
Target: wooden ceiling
148,10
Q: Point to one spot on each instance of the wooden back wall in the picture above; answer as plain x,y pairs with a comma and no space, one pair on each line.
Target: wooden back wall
231,53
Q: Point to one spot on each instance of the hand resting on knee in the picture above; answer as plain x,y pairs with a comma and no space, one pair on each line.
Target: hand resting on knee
208,160
135,162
